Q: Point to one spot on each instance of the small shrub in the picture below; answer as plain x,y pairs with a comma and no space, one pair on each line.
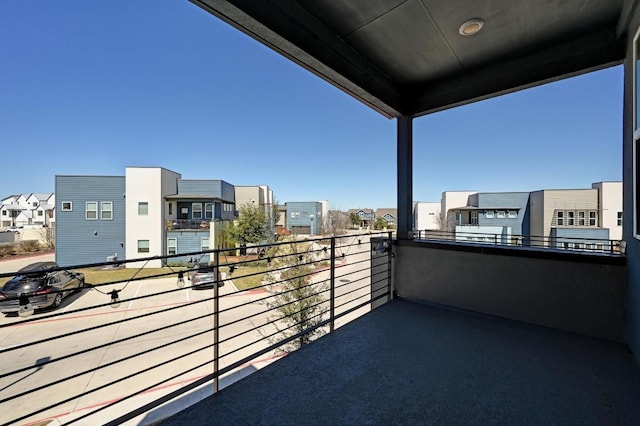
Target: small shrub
7,250
29,246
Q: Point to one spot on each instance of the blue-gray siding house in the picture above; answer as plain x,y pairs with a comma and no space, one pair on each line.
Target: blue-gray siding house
304,217
495,217
90,218
196,213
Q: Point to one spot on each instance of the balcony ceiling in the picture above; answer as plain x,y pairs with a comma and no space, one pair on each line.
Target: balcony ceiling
406,57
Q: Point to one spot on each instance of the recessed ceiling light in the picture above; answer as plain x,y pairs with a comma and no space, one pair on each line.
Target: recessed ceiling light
471,27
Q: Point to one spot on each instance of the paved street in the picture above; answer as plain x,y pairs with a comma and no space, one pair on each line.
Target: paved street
176,356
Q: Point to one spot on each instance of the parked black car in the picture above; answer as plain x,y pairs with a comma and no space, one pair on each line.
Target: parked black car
43,288
204,276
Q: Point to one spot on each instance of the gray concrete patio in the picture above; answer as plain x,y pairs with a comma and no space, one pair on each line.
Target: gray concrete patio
407,363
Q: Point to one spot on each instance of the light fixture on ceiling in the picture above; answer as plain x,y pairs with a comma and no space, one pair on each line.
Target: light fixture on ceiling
471,27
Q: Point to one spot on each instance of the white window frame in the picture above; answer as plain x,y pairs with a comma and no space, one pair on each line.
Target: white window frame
195,210
473,217
490,214
208,210
593,218
143,208
560,218
172,243
512,214
103,204
87,210
142,249
66,203
204,247
500,214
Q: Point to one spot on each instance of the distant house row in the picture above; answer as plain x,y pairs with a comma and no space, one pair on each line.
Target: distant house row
562,218
17,211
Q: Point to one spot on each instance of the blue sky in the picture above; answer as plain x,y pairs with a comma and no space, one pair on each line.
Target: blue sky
92,87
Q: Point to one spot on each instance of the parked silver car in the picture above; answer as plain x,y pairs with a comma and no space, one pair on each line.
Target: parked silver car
204,276
43,287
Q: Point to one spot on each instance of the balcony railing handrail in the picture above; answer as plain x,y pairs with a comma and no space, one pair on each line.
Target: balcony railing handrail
362,289
608,246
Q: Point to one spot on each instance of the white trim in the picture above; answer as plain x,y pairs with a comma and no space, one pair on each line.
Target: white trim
86,210
102,210
174,245
70,209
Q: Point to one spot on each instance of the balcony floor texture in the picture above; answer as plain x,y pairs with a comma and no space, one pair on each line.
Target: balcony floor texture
408,363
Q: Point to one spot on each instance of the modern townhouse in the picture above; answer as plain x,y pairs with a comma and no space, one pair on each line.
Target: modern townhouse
260,196
578,218
499,218
304,217
150,211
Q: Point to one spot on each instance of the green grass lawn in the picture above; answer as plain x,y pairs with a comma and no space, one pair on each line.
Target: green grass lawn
246,283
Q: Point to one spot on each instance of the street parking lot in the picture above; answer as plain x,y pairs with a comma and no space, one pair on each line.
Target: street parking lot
112,350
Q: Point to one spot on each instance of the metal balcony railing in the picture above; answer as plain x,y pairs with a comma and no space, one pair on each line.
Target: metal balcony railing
189,224
118,350
574,244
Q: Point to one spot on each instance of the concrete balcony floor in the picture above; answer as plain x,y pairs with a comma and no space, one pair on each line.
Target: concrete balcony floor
407,363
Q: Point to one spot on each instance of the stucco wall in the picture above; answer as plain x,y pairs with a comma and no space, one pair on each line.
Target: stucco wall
572,292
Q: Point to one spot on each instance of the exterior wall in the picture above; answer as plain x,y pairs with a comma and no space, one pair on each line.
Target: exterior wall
545,202
190,242
630,207
299,216
576,292
452,200
252,195
150,185
425,216
79,240
505,201
484,234
581,236
610,202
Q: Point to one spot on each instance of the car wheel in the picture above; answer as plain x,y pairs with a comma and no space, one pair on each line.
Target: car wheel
57,301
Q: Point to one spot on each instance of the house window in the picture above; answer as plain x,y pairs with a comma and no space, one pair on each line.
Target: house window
172,246
4,212
67,206
619,218
208,211
566,246
143,208
512,214
295,215
581,217
600,247
500,214
473,217
489,214
170,209
196,210
592,219
91,210
570,220
40,212
204,244
106,210
560,218
228,207
34,204
143,246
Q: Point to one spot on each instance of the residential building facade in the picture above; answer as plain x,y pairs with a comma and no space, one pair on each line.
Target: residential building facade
28,209
149,211
304,217
427,216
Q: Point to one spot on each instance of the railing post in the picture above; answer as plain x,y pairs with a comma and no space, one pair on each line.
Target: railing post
332,284
216,318
389,256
